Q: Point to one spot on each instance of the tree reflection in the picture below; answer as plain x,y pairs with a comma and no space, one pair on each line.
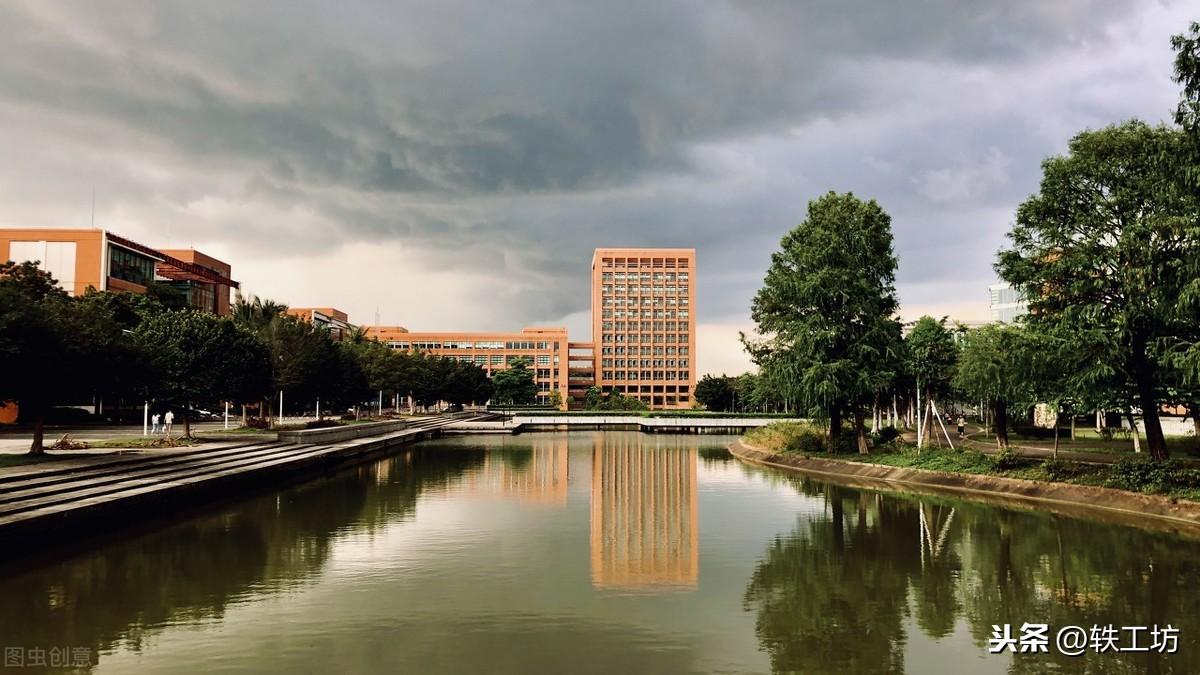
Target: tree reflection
193,571
834,595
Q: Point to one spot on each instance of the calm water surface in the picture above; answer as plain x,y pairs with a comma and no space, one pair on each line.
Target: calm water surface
601,552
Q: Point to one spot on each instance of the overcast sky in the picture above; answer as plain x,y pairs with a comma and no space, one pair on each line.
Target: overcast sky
452,165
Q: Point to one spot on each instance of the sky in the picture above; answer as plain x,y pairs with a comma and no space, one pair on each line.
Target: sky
452,165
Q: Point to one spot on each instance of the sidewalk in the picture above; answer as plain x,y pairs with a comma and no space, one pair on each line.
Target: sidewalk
1042,450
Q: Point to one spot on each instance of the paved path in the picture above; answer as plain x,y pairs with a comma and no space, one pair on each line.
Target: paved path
975,440
17,441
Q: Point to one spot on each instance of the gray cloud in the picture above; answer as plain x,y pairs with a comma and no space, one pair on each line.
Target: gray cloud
517,136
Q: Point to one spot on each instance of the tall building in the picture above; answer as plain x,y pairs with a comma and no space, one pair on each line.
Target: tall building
1006,304
545,350
644,323
92,258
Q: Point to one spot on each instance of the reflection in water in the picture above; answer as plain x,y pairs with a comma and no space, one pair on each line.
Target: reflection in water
644,524
536,473
838,593
397,565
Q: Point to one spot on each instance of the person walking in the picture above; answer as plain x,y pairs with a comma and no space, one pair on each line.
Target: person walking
169,420
962,427
154,419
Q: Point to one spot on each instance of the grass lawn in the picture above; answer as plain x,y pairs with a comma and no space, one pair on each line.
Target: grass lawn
1135,473
22,459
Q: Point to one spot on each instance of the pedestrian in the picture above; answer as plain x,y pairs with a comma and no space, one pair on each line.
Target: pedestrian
154,419
962,427
169,420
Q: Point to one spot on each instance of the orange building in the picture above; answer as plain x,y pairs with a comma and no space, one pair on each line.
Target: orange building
92,258
644,323
545,349
333,320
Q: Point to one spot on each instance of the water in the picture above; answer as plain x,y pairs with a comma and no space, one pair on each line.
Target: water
600,552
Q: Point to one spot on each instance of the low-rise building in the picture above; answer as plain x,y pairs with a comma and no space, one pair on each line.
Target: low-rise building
80,259
545,350
335,321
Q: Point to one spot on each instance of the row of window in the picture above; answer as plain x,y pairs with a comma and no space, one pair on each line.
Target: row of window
642,351
644,289
645,314
660,277
644,263
645,337
648,388
467,344
501,359
621,326
128,266
646,301
644,363
644,375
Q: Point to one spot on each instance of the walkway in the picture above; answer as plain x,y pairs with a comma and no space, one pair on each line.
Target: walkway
37,498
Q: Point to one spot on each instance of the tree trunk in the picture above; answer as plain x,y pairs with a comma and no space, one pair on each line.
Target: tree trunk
835,426
187,421
1072,425
1137,438
1000,421
1143,377
39,433
1056,421
860,431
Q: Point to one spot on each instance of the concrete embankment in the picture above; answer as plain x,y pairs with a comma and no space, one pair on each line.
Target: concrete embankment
1148,511
46,502
651,425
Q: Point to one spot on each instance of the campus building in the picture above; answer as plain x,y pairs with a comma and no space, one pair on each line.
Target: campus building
544,349
644,323
1006,303
643,334
93,258
335,321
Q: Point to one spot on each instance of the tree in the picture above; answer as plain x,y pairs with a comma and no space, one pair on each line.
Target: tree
1104,251
515,385
930,356
827,306
195,354
716,393
994,367
1187,74
52,347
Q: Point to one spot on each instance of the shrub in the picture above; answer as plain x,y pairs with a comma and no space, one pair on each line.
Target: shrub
322,424
805,439
1006,459
257,423
348,417
845,442
886,435
1145,475
1056,469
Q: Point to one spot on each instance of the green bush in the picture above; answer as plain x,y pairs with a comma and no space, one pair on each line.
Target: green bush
886,435
845,442
323,424
257,423
805,439
1007,459
1145,475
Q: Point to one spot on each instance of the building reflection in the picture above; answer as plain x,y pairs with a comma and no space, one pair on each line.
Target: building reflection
538,474
644,524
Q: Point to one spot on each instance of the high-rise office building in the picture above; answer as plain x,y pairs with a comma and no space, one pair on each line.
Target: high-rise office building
644,323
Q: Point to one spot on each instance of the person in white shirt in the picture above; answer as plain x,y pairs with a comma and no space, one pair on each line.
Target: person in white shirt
169,418
154,419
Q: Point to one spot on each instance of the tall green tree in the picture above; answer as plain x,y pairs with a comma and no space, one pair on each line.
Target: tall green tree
715,392
930,356
1104,249
994,366
198,356
54,348
515,385
827,307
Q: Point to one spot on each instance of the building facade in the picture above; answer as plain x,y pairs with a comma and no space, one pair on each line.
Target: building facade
335,321
1006,303
545,350
644,323
92,258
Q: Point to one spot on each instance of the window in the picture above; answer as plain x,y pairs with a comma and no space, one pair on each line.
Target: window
497,359
128,266
543,359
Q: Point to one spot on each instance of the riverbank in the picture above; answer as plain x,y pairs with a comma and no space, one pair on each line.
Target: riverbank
1157,511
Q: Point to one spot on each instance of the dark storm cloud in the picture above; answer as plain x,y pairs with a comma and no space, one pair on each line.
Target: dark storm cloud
523,134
